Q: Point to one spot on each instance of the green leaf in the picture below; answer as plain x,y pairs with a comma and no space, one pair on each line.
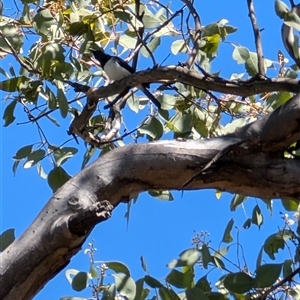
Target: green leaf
43,21
259,257
13,84
127,42
8,115
110,292
178,46
62,102
154,43
206,256
70,273
203,284
241,54
218,296
290,204
247,224
287,268
141,293
11,32
220,253
94,272
52,100
41,171
23,152
12,71
251,64
183,124
167,294
236,201
294,292
62,154
77,28
133,103
277,241
143,263
118,267
181,279
292,19
281,9
227,238
195,293
126,16
153,128
152,282
190,257
218,262
234,125
33,158
150,21
257,217
267,274
167,102
57,177
272,244
6,238
4,73
80,281
87,155
15,166
125,285
162,195
238,282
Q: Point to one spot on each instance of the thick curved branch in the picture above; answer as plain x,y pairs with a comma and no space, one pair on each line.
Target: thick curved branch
176,74
63,225
180,74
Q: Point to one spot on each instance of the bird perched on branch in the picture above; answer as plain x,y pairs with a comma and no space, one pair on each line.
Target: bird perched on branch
116,69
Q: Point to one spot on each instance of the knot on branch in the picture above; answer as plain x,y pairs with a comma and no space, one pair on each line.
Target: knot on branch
83,221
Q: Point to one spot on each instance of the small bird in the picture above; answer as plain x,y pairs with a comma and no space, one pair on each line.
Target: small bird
116,69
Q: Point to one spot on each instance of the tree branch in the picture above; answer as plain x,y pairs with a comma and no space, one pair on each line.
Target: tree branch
183,75
197,36
62,226
180,74
259,51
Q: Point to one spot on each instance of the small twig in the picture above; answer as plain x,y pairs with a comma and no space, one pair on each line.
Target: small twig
140,32
46,113
205,74
258,45
15,54
112,103
149,34
196,38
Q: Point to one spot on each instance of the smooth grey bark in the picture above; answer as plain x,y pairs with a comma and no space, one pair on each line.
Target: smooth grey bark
249,162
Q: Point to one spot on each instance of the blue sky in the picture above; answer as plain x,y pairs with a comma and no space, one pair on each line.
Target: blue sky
158,230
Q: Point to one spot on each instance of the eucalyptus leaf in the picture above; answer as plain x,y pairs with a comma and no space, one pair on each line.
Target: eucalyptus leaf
57,177
125,285
6,238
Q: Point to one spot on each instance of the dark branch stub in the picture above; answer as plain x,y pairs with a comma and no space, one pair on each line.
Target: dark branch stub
80,223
